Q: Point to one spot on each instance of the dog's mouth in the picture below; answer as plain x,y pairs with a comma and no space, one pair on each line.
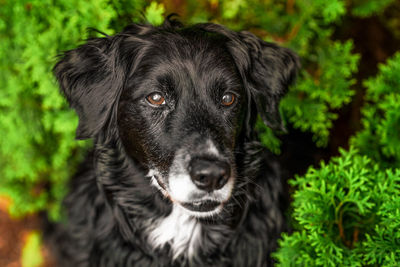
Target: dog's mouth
196,202
198,206
201,206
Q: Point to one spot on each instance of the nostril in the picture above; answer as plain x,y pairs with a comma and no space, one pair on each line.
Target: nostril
202,179
221,181
223,178
202,182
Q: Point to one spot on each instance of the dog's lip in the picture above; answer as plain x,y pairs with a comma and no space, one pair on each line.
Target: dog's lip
160,183
201,205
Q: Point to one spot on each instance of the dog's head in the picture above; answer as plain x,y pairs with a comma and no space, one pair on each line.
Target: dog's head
184,99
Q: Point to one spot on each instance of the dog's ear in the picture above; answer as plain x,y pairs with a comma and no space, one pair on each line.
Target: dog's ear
91,80
267,71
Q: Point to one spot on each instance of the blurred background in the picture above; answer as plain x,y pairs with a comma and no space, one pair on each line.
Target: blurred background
343,204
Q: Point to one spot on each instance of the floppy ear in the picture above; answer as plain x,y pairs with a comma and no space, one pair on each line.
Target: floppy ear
91,81
267,71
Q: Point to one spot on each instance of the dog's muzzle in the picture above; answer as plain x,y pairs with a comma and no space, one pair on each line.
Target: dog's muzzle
201,183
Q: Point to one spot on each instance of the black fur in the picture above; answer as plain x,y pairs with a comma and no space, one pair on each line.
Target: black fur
111,201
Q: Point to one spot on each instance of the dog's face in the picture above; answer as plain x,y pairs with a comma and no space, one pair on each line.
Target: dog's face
183,100
180,115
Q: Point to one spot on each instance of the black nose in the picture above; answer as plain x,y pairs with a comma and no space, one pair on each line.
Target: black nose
209,175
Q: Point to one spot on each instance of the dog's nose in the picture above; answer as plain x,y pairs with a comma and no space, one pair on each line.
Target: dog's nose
209,175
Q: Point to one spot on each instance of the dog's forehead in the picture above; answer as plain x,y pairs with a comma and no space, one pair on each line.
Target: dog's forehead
177,65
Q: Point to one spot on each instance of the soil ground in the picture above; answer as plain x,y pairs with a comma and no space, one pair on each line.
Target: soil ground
13,235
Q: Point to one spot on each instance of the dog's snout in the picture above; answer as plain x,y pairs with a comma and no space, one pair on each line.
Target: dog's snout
209,175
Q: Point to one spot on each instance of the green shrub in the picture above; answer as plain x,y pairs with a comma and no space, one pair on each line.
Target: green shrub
348,211
364,8
380,138
37,148
347,215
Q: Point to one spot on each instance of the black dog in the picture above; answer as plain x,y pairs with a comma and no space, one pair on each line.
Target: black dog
176,177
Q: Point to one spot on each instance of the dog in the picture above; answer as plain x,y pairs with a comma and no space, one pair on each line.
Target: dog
176,176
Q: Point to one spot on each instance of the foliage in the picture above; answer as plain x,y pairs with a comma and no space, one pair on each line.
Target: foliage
364,8
37,149
380,137
267,137
154,13
347,211
31,252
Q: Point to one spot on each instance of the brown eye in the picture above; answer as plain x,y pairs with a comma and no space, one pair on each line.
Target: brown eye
228,99
156,99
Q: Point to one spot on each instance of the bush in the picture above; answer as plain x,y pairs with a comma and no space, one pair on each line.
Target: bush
347,214
348,211
380,138
37,149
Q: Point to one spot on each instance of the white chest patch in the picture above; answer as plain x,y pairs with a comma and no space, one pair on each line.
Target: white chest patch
180,230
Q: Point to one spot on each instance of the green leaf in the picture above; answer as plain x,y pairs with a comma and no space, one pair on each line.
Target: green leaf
31,252
154,13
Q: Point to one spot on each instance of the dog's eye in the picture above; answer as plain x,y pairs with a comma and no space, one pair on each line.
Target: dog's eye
156,99
228,99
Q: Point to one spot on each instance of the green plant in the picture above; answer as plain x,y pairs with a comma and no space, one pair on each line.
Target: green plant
37,148
31,252
364,8
347,211
379,138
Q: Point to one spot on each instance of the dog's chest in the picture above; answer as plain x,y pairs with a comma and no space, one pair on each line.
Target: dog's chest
179,230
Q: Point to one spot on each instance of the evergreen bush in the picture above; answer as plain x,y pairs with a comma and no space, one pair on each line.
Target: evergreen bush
37,148
347,212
